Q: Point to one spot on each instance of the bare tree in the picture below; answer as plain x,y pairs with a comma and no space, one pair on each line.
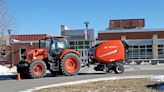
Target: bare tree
6,22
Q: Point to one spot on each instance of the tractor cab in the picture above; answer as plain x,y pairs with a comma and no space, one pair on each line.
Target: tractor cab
54,45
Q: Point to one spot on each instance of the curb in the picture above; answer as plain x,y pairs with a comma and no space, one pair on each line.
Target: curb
8,77
87,81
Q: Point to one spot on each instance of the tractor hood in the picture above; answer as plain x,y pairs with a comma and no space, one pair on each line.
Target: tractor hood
36,54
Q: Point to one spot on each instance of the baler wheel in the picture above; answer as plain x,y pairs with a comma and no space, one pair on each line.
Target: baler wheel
70,64
118,68
37,69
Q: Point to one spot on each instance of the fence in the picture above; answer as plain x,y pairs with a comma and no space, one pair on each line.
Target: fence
84,55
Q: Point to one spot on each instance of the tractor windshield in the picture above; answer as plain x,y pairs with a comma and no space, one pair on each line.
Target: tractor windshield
59,43
45,43
54,43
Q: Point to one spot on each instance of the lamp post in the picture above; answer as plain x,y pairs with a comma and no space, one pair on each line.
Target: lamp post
9,32
86,35
86,24
12,60
86,30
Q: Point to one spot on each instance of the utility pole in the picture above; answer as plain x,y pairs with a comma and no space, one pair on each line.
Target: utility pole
11,52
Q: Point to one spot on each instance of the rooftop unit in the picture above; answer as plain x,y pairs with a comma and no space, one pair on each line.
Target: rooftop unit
126,23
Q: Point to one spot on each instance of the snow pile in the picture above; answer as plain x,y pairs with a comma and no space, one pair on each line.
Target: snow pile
159,78
7,71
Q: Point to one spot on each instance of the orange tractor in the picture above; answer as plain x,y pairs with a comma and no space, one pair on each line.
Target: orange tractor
52,55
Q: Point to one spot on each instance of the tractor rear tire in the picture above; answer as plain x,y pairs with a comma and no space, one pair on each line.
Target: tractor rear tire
37,69
70,64
118,68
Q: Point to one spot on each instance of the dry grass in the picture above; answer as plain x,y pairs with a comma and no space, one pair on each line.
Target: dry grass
123,85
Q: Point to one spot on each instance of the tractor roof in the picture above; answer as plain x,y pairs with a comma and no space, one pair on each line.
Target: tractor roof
55,37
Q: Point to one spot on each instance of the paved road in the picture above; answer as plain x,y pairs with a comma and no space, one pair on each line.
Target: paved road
15,86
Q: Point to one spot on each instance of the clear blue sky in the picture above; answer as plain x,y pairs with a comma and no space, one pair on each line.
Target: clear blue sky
46,16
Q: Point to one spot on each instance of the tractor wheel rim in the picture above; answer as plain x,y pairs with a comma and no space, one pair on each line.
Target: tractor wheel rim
71,65
38,69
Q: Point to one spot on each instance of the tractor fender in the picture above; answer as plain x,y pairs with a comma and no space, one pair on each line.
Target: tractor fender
68,51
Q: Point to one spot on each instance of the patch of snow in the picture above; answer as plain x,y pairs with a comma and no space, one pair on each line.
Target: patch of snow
7,71
159,78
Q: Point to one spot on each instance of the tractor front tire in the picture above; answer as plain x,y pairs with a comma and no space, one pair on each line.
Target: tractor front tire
70,64
37,69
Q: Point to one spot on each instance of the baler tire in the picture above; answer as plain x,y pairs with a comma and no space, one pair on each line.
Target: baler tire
33,71
118,68
68,61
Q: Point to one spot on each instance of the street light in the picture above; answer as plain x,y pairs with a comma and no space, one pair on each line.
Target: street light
12,57
86,30
86,24
9,32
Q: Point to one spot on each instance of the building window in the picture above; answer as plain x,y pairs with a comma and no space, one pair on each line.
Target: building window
72,43
3,55
22,51
86,42
140,52
149,46
82,44
161,51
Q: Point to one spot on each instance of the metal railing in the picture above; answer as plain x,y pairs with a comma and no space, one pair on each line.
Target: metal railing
84,55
